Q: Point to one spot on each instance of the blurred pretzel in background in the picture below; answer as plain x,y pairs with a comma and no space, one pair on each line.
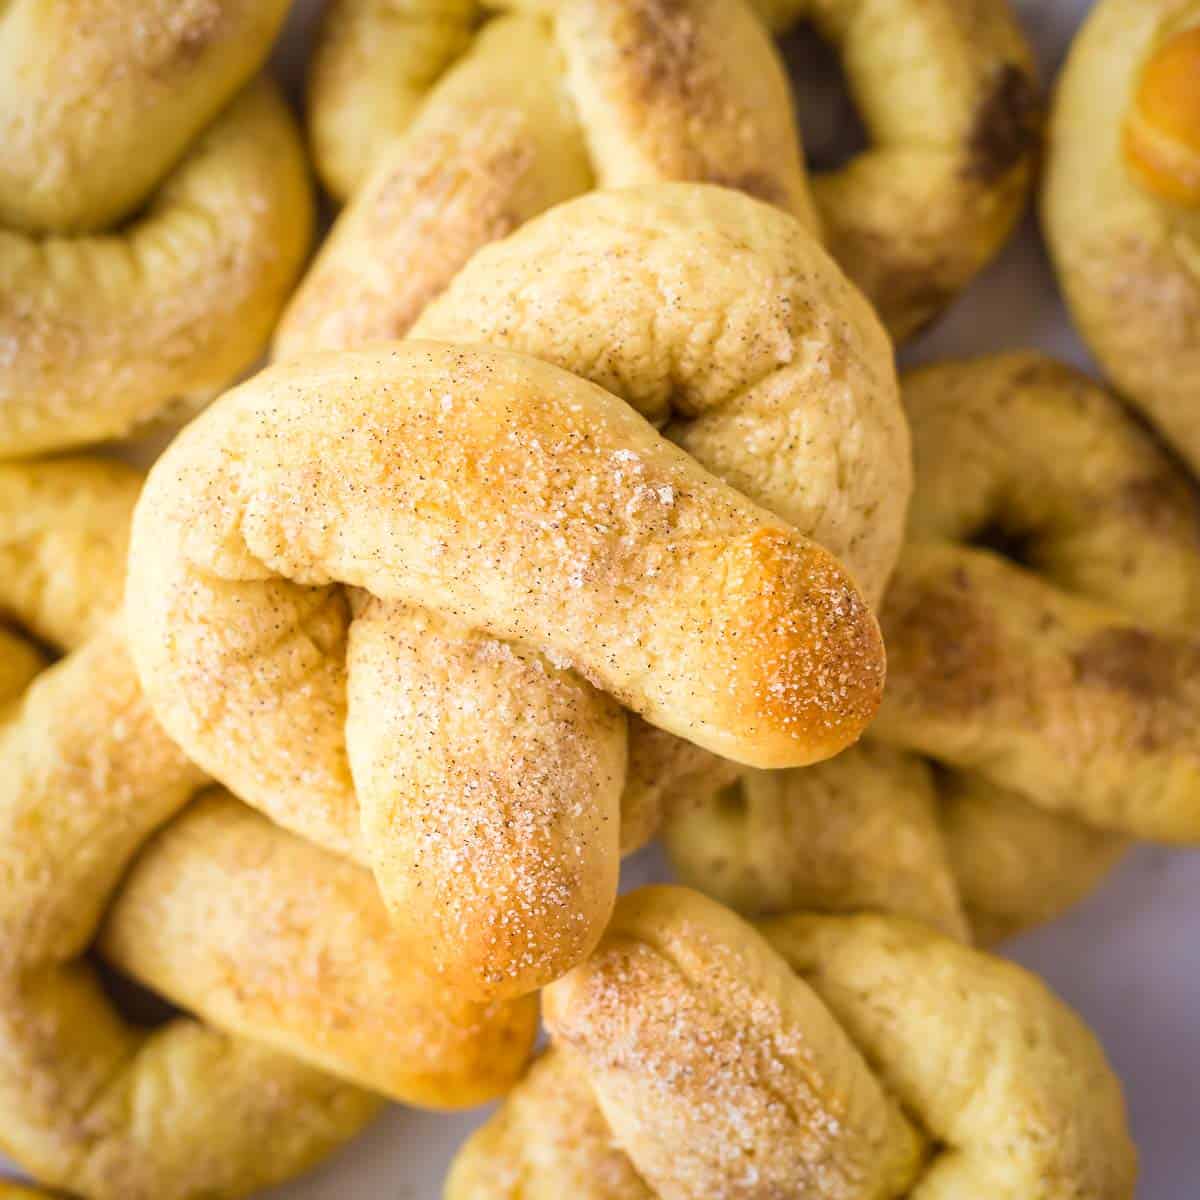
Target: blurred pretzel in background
155,210
1041,629
422,122
693,1055
948,94
452,569
304,995
1121,204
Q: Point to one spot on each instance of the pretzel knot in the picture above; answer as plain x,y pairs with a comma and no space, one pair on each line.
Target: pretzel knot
693,1056
418,117
153,214
397,598
312,997
1121,204
1042,650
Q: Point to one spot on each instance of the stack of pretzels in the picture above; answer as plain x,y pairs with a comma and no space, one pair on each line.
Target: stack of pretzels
567,499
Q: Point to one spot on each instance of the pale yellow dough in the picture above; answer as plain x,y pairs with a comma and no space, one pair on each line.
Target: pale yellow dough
1128,256
286,949
1056,691
419,121
503,531
852,1058
948,93
155,210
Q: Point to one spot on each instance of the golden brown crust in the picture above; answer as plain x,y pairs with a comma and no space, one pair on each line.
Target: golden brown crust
268,937
1128,259
103,333
282,946
1042,651
578,534
949,94
1161,138
766,343
687,90
723,323
87,774
612,93
863,1057
99,104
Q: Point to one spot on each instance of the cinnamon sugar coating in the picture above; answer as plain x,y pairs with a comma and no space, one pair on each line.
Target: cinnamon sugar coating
1041,629
438,147
155,210
694,1057
282,547
286,950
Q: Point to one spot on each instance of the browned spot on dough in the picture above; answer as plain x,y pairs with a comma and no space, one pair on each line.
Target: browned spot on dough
1007,126
944,652
1133,661
661,46
1047,373
1163,503
758,184
196,35
911,296
1157,674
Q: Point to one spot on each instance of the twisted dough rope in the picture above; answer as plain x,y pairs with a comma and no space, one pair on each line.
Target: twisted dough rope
286,948
606,95
881,830
152,219
695,1058
552,537
949,95
1121,203
1061,691
419,119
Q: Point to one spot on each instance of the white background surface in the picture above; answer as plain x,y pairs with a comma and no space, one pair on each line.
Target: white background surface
1128,959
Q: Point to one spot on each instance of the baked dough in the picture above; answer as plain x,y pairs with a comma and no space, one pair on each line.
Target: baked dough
693,1057
766,366
1042,651
442,146
154,212
1121,204
949,95
550,536
288,951
419,120
878,829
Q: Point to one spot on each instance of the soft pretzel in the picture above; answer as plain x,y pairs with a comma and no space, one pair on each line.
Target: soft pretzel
694,1057
878,829
288,951
152,219
1060,689
418,118
533,512
447,148
948,92
1121,203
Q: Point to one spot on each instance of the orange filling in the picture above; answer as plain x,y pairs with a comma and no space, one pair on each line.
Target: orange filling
1162,130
